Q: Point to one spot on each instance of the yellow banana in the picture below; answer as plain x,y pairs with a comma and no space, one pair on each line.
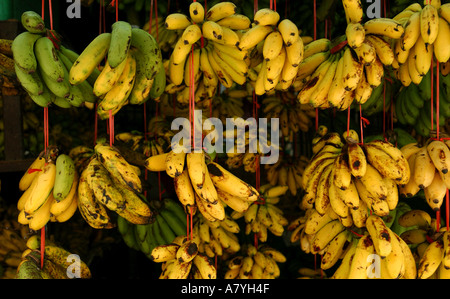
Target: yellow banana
176,21
41,191
385,27
431,259
253,36
289,31
441,52
429,23
221,10
196,12
353,11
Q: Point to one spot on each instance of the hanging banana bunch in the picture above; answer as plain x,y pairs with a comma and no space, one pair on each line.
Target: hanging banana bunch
260,262
49,188
349,178
426,33
207,51
275,51
264,216
133,71
181,260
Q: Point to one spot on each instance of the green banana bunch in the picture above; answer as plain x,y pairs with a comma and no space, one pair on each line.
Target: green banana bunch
42,66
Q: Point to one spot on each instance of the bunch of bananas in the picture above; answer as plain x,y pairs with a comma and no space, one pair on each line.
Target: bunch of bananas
13,238
308,273
207,50
133,71
57,262
287,173
430,245
169,222
351,178
199,183
109,183
260,263
429,167
216,238
42,66
159,128
181,259
426,34
49,188
335,73
294,117
263,215
276,51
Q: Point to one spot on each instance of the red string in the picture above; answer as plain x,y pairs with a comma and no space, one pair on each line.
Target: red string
437,99
50,13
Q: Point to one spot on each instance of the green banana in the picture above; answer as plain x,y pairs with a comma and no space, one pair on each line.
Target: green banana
425,86
177,226
157,233
166,231
148,54
23,51
65,175
31,82
47,58
44,99
28,270
58,88
33,22
120,43
414,97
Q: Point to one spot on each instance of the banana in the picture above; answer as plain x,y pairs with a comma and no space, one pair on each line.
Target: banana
382,48
424,169
32,171
319,96
31,82
344,267
272,45
165,252
325,235
435,192
334,250
212,31
59,206
48,60
253,36
223,77
379,206
90,58
103,186
148,54
388,165
220,11
414,236
175,163
60,256
236,203
205,266
235,22
183,188
415,217
438,152
176,21
384,27
108,78
41,216
235,75
316,77
156,162
118,166
353,11
380,235
228,182
33,22
361,261
374,73
431,259
94,213
412,31
425,51
42,189
441,52
120,43
196,12
289,31
355,34
352,70
158,85
429,23
65,176
357,160
23,51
